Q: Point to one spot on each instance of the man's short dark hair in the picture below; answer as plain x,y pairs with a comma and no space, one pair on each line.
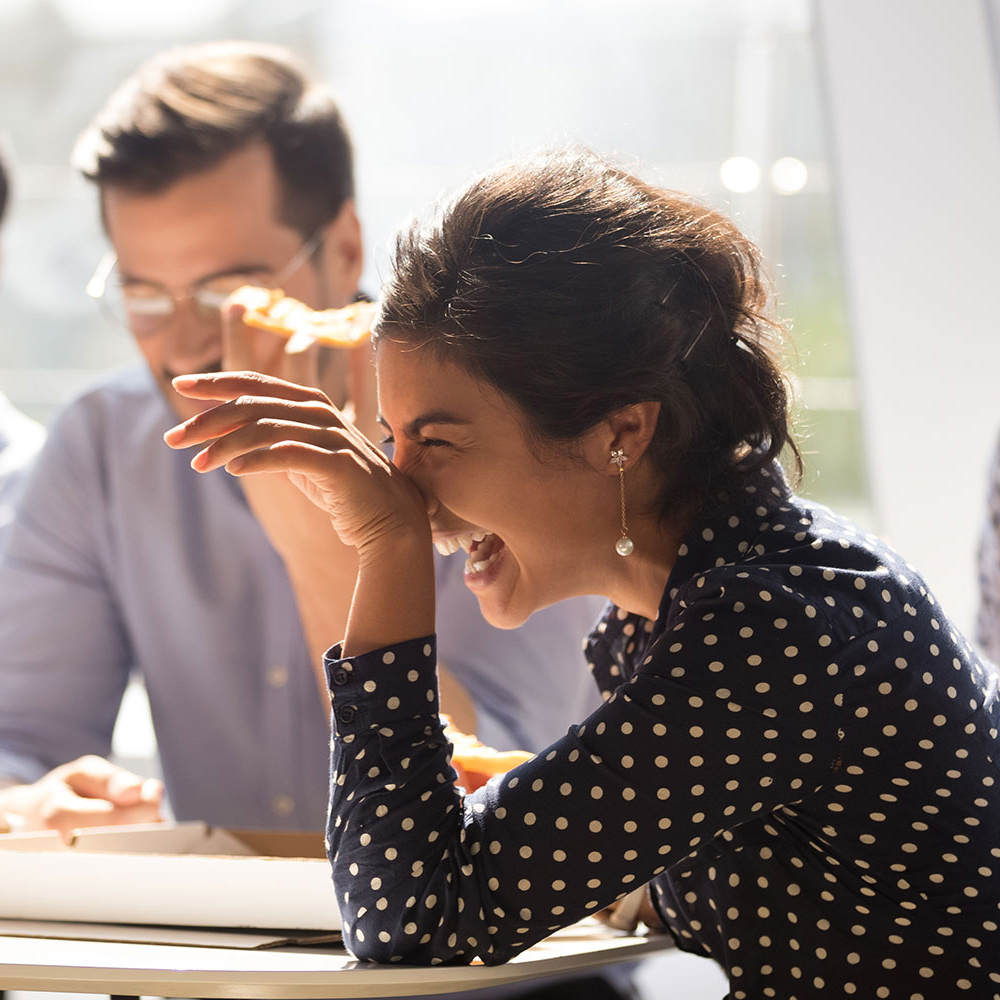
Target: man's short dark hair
189,108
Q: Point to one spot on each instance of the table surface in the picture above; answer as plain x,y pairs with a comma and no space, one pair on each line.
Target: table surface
79,966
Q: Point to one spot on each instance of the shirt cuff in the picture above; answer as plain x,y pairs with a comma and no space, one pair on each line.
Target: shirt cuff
383,686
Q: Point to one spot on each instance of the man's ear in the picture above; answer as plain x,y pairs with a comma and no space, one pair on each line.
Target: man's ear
342,256
629,429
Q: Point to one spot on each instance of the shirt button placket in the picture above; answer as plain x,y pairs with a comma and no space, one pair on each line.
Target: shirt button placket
282,805
278,729
277,677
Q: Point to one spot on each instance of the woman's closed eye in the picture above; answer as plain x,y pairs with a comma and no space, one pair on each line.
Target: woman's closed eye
422,442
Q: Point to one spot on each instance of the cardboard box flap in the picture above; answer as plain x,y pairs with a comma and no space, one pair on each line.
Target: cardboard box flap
188,874
174,838
282,843
187,937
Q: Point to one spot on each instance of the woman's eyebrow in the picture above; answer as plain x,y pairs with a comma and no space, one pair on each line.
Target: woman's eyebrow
413,427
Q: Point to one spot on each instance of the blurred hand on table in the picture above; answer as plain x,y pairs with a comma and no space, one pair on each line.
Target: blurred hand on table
89,791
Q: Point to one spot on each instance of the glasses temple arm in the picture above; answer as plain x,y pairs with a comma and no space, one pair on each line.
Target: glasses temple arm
99,279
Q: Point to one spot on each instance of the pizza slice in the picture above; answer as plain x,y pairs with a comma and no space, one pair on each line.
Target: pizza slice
475,762
270,309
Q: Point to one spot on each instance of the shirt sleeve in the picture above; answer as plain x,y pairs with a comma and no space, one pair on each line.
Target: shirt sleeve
988,618
64,659
692,745
23,440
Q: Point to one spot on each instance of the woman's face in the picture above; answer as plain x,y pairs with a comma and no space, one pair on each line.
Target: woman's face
531,527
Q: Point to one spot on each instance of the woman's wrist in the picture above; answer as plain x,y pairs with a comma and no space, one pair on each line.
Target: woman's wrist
389,541
394,594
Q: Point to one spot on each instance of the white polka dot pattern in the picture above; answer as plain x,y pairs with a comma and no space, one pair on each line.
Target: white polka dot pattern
800,753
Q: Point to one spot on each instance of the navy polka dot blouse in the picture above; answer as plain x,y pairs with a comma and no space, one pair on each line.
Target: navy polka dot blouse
799,755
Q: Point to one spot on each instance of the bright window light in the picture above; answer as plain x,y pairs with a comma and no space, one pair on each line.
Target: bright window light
740,174
789,175
113,19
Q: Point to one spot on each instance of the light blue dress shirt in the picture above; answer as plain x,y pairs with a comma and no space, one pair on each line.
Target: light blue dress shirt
122,558
20,441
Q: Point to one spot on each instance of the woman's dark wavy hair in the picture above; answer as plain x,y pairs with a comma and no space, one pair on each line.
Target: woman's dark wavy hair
575,289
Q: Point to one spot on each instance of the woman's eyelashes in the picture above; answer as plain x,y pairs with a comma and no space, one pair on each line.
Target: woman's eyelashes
421,442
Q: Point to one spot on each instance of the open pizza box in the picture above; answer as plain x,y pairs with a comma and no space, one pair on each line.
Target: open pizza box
186,883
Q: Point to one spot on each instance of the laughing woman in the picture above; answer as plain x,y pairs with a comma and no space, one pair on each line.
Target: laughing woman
797,750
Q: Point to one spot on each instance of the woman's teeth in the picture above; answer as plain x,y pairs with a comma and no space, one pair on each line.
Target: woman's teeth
473,566
487,549
446,546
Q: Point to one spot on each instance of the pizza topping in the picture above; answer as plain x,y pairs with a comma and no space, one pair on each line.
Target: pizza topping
270,309
475,762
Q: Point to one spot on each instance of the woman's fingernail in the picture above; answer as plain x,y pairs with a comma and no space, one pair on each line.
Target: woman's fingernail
200,460
234,465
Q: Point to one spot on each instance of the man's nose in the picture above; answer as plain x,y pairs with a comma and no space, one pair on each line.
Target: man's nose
191,341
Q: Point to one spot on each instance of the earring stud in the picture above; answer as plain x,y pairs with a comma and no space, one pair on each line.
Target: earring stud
624,546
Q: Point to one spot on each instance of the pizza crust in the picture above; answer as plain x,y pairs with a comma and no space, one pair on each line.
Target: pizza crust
270,309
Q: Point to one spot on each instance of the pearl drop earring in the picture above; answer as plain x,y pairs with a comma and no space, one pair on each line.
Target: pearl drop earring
624,546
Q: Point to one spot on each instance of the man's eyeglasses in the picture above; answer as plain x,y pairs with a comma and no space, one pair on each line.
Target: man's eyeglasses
145,307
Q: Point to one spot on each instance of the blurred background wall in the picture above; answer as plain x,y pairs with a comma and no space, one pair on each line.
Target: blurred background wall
914,119
718,97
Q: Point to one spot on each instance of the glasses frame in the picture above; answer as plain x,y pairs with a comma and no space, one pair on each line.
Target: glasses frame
99,282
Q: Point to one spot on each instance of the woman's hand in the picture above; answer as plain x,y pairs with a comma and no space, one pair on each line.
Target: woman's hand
265,424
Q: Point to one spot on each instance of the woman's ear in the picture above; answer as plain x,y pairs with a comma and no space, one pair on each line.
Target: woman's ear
629,430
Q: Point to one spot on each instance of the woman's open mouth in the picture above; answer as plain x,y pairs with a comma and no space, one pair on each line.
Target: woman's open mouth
483,548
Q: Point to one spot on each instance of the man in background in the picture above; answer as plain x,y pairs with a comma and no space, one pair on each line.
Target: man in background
20,438
216,166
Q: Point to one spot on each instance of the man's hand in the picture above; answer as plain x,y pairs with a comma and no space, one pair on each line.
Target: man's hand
300,531
630,911
346,375
290,521
322,569
89,791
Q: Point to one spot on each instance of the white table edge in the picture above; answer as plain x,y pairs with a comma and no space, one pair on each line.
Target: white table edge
352,979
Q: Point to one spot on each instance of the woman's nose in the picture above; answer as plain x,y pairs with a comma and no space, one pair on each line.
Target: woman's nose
406,458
